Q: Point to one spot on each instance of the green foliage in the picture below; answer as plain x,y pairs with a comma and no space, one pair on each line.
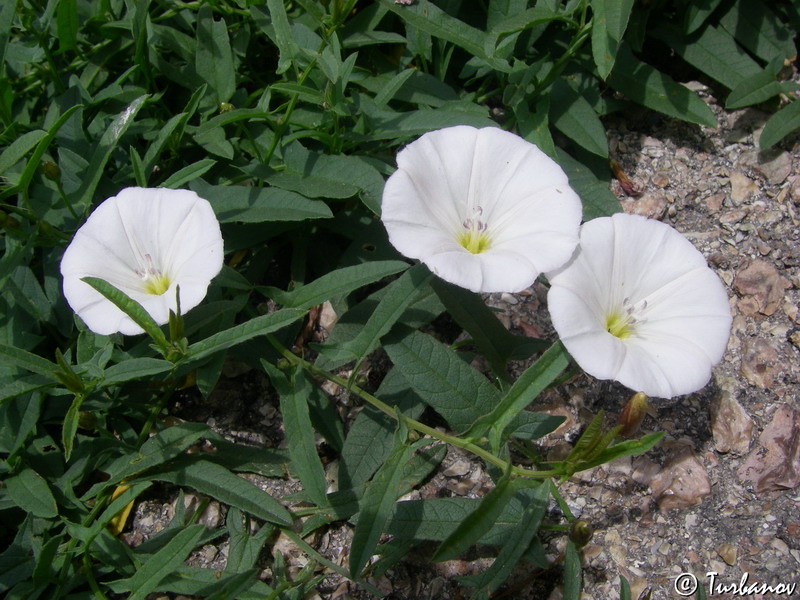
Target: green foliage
287,117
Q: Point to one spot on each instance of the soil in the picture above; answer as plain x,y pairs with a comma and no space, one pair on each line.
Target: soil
719,494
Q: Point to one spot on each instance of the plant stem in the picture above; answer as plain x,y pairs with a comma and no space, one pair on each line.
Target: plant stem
409,422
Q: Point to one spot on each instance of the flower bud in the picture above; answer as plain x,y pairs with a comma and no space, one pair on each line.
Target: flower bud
51,170
633,414
225,107
87,420
581,532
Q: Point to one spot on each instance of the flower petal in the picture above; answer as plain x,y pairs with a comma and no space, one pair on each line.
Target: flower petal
648,273
492,183
138,234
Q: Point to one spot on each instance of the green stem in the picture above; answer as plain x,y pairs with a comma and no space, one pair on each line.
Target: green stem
409,422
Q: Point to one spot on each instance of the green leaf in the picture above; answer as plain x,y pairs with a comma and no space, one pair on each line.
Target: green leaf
376,503
399,295
573,573
219,483
34,162
696,15
335,284
241,333
103,149
478,523
516,543
598,201
626,448
188,173
493,340
29,490
163,563
28,361
624,588
294,396
779,125
162,447
609,22
15,151
431,19
133,368
753,89
756,27
243,204
529,385
70,425
369,439
244,546
214,59
645,85
574,117
713,51
389,126
445,382
67,25
131,308
317,175
281,35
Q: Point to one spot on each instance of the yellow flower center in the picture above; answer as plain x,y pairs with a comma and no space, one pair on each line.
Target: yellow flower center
473,237
474,241
619,325
156,284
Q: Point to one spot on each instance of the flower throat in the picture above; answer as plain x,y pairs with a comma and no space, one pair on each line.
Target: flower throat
473,237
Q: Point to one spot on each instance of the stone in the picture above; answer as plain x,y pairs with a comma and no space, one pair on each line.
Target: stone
761,280
759,363
728,553
458,469
714,203
774,164
742,187
775,464
651,205
682,482
731,426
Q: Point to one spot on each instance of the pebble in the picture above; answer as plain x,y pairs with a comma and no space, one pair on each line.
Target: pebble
731,426
728,553
773,164
683,481
458,469
761,280
759,363
775,464
650,205
742,187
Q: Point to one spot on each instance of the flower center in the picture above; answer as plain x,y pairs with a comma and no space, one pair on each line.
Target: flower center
620,323
154,282
474,237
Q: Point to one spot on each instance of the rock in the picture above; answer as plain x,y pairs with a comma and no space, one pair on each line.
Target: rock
730,423
761,280
728,552
774,164
458,469
742,187
775,464
714,203
759,363
651,205
682,482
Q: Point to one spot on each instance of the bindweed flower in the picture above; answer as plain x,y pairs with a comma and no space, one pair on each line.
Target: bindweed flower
482,208
145,242
637,303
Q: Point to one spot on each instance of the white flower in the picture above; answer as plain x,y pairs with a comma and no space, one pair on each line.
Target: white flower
483,208
638,304
144,242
